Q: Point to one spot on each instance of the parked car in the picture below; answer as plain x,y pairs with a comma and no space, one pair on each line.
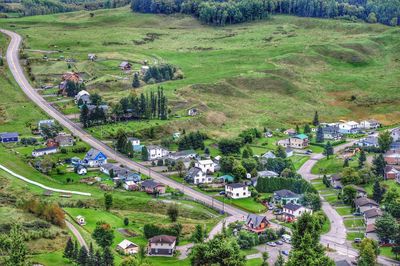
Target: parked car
357,240
279,242
222,192
357,214
285,252
271,244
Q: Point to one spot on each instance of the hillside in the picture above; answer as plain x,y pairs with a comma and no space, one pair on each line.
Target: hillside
270,73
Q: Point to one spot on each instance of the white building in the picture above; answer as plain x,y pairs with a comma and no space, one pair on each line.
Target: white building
349,127
395,133
370,124
44,151
80,95
134,141
156,152
292,211
80,220
207,166
237,191
128,247
196,176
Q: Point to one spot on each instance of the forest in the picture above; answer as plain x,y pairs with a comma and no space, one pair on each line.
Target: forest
223,12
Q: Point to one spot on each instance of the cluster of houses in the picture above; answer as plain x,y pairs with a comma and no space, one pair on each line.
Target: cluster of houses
392,157
297,141
291,205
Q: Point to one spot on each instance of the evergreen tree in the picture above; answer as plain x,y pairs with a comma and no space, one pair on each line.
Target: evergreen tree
368,253
307,129
76,250
297,129
198,236
108,257
280,261
69,249
328,150
98,258
320,135
145,154
91,256
173,212
84,116
377,191
245,154
379,165
325,181
265,257
136,82
316,119
280,152
108,201
82,256
384,140
346,163
361,159
16,251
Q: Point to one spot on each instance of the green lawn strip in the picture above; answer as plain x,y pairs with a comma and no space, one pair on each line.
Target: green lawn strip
299,160
352,223
254,262
352,235
51,258
344,211
247,204
388,184
330,166
387,252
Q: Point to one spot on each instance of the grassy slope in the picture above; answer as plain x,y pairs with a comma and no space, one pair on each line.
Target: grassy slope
275,72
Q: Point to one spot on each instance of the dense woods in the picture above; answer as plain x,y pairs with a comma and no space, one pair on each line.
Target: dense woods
237,11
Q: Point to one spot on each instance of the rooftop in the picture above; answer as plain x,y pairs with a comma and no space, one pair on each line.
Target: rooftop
163,239
285,193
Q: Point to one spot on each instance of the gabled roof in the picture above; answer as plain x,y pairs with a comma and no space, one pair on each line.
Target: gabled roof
365,201
285,193
255,219
237,185
370,228
193,172
204,162
301,136
375,212
267,174
92,154
124,64
163,239
126,244
359,189
269,154
150,183
336,177
292,206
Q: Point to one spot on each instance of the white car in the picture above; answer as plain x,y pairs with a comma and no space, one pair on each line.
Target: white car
271,244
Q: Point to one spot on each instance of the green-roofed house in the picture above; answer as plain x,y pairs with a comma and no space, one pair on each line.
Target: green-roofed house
226,178
299,141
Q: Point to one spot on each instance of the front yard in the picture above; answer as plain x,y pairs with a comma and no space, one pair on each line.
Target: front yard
246,204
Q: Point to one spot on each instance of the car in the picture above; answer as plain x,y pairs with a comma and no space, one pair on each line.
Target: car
285,252
357,214
271,244
357,240
270,207
222,192
279,242
310,151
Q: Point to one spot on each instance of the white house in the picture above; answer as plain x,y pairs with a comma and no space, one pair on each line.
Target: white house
237,191
156,152
127,247
80,220
44,151
364,204
292,211
395,133
162,245
80,95
94,158
207,166
81,170
196,176
370,141
349,127
371,215
134,141
370,124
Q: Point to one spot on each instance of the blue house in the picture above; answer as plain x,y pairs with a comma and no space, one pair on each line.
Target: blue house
8,137
94,158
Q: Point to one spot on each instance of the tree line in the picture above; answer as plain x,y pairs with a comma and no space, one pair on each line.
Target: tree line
223,12
160,73
270,185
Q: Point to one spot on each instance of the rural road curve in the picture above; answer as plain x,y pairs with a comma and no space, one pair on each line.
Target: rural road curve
76,233
19,75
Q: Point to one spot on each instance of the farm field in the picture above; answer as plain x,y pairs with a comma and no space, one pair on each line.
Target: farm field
271,73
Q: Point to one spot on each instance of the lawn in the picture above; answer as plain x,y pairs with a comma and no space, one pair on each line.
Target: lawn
351,223
388,184
332,165
344,211
247,204
352,235
260,74
299,160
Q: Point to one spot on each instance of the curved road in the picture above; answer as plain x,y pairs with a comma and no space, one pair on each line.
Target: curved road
18,73
76,233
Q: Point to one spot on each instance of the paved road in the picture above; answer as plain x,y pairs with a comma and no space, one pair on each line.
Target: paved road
76,233
18,73
41,185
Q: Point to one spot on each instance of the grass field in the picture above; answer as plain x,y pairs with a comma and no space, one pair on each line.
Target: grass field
332,165
247,204
270,73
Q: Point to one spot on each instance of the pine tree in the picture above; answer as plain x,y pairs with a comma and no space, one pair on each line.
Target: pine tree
136,81
108,258
346,163
361,159
69,249
377,192
17,251
297,129
98,260
280,152
145,154
265,257
82,256
379,165
280,261
320,135
76,250
198,236
325,181
91,256
84,116
245,154
307,129
316,119
328,149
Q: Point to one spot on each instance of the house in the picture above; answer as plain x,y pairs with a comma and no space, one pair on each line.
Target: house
268,134
127,247
144,69
83,97
207,166
186,154
267,173
156,152
371,215
92,57
285,196
299,141
51,143
290,132
283,143
292,211
331,133
226,178
336,181
81,170
94,158
9,137
152,187
68,77
392,157
45,123
192,112
80,220
370,232
289,152
370,124
130,185
237,191
92,107
370,141
64,140
126,175
256,223
391,172
162,245
196,176
75,161
269,155
349,127
363,204
125,66
107,168
395,134
44,151
360,191
135,142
